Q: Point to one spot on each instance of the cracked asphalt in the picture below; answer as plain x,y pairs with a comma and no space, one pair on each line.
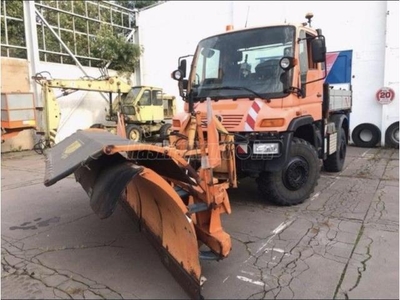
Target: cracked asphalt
342,243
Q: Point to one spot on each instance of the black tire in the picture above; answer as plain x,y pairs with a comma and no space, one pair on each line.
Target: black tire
335,161
392,136
296,181
366,135
134,132
165,130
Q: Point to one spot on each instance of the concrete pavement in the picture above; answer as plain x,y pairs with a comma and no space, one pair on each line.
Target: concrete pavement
341,243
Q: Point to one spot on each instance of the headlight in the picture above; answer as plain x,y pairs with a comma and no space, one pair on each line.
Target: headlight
270,148
285,63
177,75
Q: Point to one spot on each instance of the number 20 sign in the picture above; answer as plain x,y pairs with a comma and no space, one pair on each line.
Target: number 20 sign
385,95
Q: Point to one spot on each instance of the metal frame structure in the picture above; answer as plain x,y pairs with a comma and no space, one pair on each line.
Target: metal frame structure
51,29
9,49
36,19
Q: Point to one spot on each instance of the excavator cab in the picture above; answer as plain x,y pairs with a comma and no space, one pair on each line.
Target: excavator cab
146,104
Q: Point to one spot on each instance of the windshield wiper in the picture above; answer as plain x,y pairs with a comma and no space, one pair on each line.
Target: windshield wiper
236,88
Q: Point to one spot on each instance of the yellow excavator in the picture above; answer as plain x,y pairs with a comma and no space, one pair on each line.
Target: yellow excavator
146,109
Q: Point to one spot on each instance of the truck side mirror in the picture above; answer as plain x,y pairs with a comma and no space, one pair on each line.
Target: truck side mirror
182,67
178,76
180,73
284,78
318,49
183,84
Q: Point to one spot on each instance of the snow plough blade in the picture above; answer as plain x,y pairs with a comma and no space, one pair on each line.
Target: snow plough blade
160,189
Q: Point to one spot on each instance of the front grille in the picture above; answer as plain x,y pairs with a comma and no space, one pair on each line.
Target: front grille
229,121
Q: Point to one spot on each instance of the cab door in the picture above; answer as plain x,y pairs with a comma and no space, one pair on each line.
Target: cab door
145,107
157,105
311,75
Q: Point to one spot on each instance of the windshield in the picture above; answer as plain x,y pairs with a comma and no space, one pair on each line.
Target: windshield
131,96
242,64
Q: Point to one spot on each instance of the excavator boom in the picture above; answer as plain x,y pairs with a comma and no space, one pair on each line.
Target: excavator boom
145,108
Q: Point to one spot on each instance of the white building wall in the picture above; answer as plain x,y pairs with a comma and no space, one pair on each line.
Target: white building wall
173,29
390,112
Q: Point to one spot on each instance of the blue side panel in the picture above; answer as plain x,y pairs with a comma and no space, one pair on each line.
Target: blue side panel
341,69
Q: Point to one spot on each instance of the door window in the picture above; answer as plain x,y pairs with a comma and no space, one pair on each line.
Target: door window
303,56
156,98
145,100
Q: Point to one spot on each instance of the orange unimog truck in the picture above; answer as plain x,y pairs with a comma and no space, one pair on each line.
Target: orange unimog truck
267,88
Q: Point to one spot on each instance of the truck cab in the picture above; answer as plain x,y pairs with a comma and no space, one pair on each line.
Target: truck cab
267,89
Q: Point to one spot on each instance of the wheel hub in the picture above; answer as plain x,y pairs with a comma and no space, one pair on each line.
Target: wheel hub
296,174
134,135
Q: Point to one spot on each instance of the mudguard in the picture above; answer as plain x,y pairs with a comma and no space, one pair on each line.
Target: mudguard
341,120
154,202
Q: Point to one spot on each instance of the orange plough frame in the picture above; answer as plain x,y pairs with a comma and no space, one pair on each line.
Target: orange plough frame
171,190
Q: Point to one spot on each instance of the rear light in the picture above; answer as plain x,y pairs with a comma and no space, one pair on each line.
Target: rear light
176,123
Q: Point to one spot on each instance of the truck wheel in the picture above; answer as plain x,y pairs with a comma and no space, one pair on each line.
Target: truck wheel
335,161
134,133
165,130
296,181
392,136
366,135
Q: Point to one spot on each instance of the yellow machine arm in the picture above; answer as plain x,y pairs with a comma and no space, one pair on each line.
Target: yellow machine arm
51,107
